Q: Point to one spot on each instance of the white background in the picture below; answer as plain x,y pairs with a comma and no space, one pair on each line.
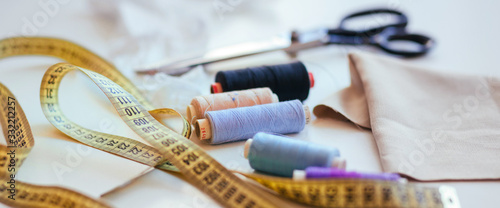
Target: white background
466,33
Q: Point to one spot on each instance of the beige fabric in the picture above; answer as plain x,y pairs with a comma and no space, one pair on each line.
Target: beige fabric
427,125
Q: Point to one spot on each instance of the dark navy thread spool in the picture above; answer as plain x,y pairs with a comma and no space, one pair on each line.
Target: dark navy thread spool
280,155
289,81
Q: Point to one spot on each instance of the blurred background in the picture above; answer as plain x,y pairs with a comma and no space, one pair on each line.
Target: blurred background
167,29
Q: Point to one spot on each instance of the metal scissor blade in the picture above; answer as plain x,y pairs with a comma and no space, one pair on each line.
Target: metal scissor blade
234,51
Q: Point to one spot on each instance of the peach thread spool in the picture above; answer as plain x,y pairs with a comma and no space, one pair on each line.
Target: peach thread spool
234,99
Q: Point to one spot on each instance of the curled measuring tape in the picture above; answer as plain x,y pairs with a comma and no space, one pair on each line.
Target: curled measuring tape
196,166
82,57
17,133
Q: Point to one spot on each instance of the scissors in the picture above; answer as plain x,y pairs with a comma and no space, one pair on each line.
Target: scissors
388,37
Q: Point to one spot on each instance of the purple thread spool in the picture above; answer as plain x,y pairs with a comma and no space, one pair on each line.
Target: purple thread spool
322,172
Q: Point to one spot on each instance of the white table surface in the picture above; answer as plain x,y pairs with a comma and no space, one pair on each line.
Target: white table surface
467,35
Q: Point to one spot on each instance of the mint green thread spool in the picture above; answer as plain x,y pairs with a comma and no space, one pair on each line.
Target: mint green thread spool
278,155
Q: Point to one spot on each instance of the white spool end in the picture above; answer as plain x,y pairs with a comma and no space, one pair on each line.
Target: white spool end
339,162
275,98
248,143
307,113
190,111
299,175
403,180
203,129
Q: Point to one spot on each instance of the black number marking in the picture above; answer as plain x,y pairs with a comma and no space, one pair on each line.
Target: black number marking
50,106
132,111
250,204
191,157
113,90
101,140
313,194
58,119
350,197
49,91
90,136
149,129
240,198
105,82
147,155
79,132
123,146
140,121
135,150
59,69
369,192
211,177
386,194
52,79
201,167
112,142
55,200
158,159
123,100
179,149
158,136
230,193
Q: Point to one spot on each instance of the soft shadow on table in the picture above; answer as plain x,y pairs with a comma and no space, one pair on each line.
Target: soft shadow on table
49,131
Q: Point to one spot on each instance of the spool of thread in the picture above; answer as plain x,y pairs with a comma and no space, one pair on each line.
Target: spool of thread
280,156
322,172
288,81
201,104
242,123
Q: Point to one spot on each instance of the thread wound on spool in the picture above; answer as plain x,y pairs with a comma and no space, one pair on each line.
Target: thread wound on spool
242,123
280,156
201,104
288,81
322,172
190,111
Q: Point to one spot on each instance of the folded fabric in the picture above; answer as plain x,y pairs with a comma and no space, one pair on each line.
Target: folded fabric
427,125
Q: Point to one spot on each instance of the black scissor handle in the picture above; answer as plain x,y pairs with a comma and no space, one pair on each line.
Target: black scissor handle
401,21
387,36
390,35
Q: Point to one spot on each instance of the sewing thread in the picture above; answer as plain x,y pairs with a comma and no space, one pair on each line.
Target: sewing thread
201,104
322,172
288,81
243,123
280,155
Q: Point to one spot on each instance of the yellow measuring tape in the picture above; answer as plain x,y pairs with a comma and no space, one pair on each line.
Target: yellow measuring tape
19,139
358,192
197,166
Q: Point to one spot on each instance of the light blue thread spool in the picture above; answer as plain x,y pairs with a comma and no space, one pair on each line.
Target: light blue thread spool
280,156
242,123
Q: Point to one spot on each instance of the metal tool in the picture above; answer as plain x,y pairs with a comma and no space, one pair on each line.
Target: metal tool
388,37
